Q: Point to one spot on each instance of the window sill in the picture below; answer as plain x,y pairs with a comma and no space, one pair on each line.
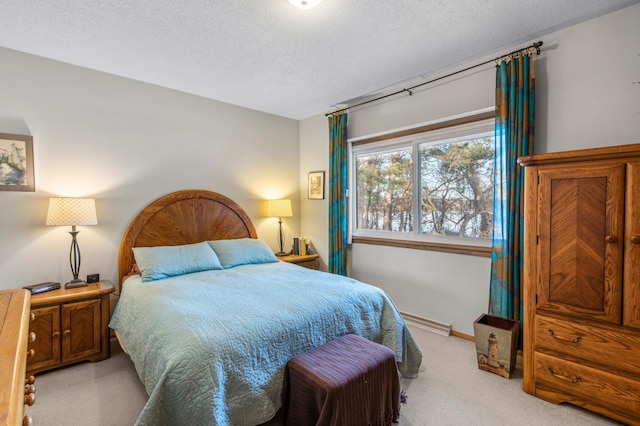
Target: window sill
423,245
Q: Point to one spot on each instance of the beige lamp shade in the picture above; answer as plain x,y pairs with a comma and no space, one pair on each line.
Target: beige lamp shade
72,211
280,208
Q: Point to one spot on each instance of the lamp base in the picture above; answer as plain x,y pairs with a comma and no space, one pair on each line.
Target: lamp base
76,283
281,253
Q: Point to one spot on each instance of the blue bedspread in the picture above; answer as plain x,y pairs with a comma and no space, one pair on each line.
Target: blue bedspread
211,347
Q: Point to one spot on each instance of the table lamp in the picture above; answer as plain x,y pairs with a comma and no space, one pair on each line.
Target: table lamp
280,209
72,212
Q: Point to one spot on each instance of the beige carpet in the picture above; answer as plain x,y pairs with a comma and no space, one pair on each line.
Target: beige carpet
450,390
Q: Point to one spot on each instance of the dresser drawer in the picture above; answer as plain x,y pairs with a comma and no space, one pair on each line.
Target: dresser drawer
604,346
559,381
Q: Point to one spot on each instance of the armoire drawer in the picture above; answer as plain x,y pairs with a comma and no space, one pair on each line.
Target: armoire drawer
559,381
604,346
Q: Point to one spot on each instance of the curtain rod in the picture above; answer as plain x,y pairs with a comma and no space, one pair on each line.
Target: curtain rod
535,45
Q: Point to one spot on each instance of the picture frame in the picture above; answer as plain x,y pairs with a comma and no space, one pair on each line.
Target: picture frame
316,185
16,163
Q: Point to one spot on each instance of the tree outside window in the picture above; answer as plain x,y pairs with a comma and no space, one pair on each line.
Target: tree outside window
456,188
451,179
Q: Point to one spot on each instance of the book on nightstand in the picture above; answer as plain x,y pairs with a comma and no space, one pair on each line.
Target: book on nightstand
42,287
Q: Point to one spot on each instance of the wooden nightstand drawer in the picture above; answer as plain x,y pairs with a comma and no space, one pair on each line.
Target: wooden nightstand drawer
309,261
311,264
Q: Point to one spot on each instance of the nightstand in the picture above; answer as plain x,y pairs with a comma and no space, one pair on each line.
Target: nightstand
307,260
71,325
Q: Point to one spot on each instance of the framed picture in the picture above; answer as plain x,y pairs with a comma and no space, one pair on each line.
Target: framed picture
16,163
316,185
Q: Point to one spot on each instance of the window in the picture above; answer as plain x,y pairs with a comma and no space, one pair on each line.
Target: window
431,186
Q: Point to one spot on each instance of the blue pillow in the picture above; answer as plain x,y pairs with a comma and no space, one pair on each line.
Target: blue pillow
242,251
168,261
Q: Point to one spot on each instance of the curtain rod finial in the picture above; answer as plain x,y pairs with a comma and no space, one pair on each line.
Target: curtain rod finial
537,46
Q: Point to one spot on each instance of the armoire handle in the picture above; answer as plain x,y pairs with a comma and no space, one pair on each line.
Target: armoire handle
574,380
635,239
565,338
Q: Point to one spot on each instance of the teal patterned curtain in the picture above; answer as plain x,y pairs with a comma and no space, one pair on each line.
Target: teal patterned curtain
515,94
338,178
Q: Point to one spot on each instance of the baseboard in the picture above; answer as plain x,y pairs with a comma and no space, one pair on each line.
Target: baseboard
463,335
427,324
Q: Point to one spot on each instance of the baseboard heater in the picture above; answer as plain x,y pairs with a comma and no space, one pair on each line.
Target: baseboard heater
427,324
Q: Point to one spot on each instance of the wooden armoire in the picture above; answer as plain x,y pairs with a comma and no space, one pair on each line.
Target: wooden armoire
582,279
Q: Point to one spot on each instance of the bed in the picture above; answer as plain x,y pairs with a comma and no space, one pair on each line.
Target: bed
210,317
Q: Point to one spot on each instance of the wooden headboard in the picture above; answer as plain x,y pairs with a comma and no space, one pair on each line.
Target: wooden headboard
183,217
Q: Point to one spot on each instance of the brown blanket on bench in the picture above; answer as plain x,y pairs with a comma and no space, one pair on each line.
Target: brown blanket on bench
349,381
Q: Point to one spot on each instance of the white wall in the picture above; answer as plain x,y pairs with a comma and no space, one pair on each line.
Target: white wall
587,95
314,156
127,143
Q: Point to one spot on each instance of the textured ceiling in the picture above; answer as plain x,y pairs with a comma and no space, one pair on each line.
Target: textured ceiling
270,56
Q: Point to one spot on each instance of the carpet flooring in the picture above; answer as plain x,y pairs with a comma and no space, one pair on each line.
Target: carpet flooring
450,390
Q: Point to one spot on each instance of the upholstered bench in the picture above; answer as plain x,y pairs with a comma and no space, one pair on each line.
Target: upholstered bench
349,381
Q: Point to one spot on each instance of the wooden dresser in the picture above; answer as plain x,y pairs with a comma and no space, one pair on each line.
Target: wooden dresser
582,279
15,391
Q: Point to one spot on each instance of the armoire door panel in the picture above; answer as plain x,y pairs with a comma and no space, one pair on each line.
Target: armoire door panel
580,234
631,308
577,225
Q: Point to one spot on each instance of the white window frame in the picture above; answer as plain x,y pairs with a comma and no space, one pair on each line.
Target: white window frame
480,128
